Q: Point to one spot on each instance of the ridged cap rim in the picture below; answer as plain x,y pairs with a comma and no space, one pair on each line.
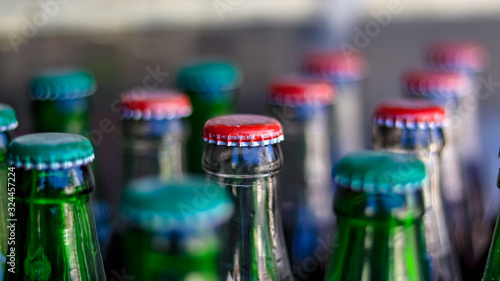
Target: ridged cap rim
296,91
155,105
409,114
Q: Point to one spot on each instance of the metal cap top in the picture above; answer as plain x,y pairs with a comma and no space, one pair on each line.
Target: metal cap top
209,77
432,83
155,105
50,151
162,206
296,91
62,84
8,119
409,114
336,66
243,130
380,172
466,56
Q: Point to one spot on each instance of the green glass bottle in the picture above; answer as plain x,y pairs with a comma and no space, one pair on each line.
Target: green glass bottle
243,157
170,228
54,232
492,270
211,86
8,122
303,107
154,133
60,103
379,204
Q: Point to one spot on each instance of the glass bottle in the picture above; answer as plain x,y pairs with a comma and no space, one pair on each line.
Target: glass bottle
60,103
243,157
154,133
379,207
303,106
469,59
416,127
492,270
344,69
446,89
211,86
55,236
171,228
8,123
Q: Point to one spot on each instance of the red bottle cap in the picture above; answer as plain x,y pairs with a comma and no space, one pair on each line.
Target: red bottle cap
409,114
466,56
243,130
337,66
300,92
156,105
435,83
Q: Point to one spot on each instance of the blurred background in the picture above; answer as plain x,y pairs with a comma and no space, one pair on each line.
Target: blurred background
125,42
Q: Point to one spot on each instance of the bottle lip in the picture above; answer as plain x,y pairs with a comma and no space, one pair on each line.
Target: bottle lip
162,104
467,56
300,91
62,84
409,114
335,65
244,130
50,151
435,83
8,118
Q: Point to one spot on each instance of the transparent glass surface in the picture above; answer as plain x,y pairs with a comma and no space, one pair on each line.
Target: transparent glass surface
55,236
254,247
426,144
5,138
305,188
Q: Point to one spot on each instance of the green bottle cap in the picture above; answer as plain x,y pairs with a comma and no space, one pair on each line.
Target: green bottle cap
187,204
380,172
62,84
8,119
50,151
209,77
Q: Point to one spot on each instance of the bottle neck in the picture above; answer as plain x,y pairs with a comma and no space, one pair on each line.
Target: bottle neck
5,139
492,271
154,147
68,116
254,247
379,237
55,231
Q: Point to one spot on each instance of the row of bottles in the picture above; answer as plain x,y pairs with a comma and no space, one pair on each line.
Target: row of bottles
410,209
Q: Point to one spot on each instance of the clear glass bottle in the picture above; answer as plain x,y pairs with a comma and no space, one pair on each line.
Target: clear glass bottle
303,107
154,133
212,86
446,89
60,100
469,59
344,69
55,235
416,127
379,207
8,123
170,228
243,157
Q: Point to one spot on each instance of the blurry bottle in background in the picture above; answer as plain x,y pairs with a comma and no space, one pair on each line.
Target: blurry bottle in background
243,157
379,206
344,69
416,127
55,235
470,235
8,122
154,133
170,228
60,103
492,270
468,58
211,87
303,107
